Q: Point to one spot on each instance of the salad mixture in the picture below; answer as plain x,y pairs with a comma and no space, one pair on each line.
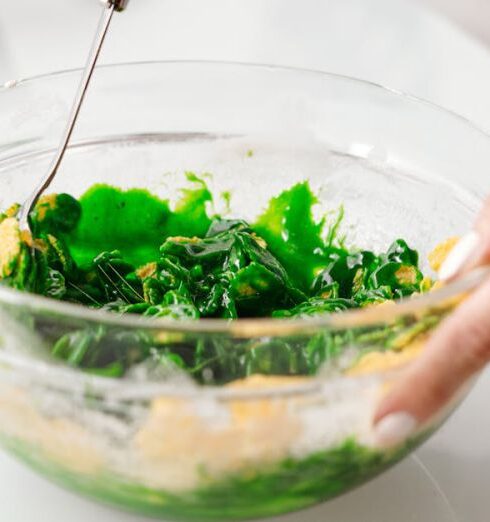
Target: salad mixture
130,252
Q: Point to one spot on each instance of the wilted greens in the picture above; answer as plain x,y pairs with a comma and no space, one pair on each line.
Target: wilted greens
129,252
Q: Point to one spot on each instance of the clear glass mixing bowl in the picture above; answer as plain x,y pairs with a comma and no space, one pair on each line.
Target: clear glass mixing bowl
277,437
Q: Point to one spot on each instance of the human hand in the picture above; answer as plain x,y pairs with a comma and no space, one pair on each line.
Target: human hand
458,349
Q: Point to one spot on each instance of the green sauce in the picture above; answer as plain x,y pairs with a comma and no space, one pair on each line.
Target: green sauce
128,221
292,234
134,222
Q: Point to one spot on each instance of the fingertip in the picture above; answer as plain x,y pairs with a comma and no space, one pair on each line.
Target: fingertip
394,429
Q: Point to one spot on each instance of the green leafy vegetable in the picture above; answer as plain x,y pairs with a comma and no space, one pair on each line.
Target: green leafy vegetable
128,252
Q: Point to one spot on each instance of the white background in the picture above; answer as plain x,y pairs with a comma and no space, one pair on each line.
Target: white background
394,42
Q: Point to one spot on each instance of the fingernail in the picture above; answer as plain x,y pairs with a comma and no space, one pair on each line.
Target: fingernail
464,250
394,429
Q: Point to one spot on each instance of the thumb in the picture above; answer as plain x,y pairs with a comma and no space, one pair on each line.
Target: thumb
459,349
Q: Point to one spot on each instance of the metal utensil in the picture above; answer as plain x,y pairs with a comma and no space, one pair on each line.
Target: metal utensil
110,6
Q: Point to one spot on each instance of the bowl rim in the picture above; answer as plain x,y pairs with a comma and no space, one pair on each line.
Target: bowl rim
255,327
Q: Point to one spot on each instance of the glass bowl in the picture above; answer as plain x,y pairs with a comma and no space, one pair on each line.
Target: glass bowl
286,420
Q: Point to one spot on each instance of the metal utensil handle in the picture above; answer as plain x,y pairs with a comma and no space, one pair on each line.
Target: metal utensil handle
119,5
105,20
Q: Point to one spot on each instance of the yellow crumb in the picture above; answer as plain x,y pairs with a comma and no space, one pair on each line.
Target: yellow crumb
406,275
61,439
183,239
177,436
376,362
148,270
426,284
10,246
39,244
13,210
244,411
440,253
165,337
259,240
45,203
246,289
259,382
26,237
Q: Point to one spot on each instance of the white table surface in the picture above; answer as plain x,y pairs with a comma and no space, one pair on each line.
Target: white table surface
393,42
